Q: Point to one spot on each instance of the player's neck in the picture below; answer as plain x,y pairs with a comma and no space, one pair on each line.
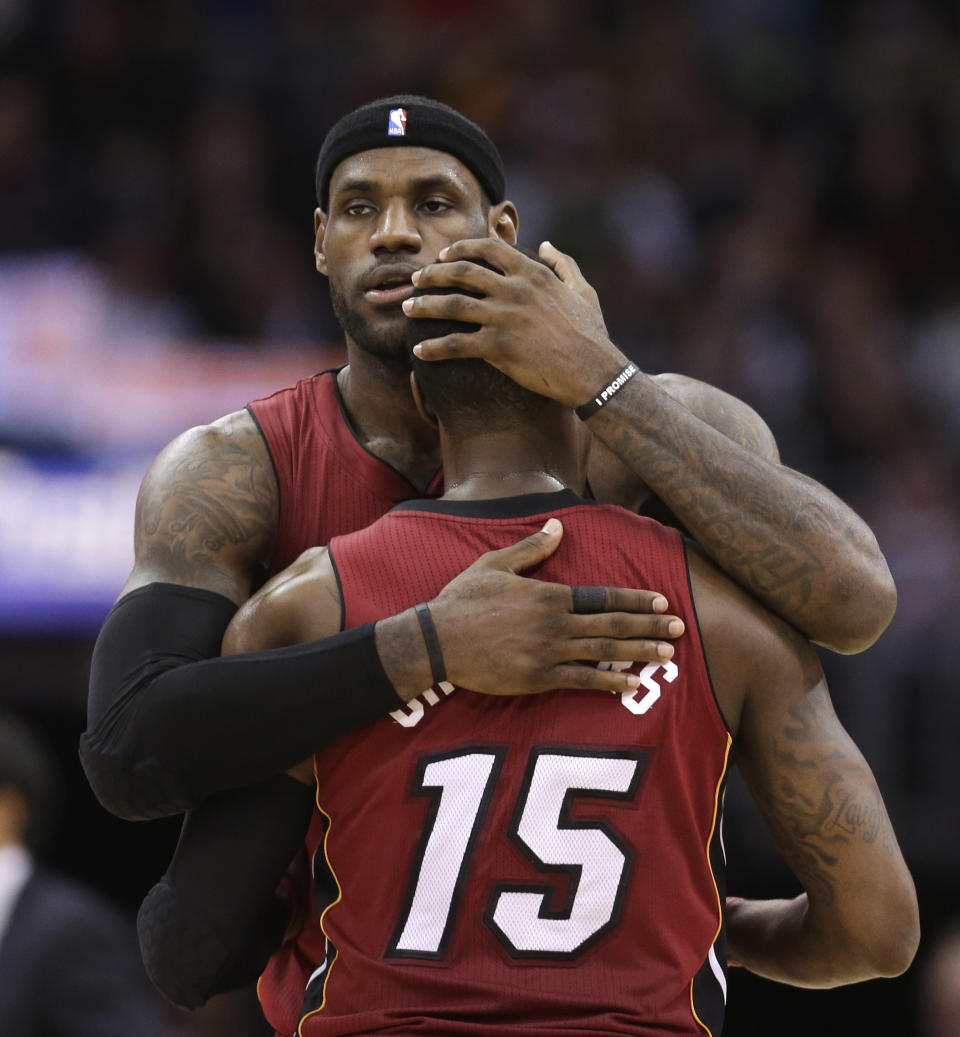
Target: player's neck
385,418
499,463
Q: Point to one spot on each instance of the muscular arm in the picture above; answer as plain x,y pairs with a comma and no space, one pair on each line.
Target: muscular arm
199,934
204,930
857,915
803,552
787,539
168,722
207,511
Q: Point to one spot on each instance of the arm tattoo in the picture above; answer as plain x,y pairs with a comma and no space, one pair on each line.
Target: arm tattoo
818,800
215,493
777,533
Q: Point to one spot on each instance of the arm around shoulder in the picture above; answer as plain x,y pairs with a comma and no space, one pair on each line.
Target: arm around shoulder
786,538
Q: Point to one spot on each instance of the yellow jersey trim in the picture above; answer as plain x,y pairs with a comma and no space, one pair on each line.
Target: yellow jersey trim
333,903
713,827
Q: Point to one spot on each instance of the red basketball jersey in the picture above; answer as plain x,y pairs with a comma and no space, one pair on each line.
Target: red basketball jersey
511,865
329,483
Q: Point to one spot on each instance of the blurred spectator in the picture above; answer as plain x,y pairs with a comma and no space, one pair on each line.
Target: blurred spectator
69,965
940,986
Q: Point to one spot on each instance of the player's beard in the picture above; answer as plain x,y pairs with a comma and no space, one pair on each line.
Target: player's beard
387,344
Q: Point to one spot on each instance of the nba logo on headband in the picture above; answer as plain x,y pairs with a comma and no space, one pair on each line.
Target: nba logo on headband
397,122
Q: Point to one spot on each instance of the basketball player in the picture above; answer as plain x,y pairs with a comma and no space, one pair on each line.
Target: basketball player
548,863
169,723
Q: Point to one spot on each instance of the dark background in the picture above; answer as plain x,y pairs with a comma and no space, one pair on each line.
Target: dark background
764,193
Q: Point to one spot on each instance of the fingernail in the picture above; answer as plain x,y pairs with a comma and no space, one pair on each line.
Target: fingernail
546,244
664,650
633,681
418,350
675,628
660,604
415,276
552,526
442,254
407,305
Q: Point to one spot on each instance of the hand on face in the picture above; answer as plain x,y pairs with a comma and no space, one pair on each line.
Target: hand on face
543,329
390,212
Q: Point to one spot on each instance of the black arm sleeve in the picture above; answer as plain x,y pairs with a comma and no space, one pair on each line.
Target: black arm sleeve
167,725
210,924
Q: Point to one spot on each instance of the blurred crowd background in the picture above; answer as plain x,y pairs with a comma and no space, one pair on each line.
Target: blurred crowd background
765,194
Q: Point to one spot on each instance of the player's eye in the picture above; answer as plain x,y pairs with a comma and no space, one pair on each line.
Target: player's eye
358,209
435,205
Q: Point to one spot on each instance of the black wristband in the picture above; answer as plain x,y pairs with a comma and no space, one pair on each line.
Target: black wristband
430,639
607,393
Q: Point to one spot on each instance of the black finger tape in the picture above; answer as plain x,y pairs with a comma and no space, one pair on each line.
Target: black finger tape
589,600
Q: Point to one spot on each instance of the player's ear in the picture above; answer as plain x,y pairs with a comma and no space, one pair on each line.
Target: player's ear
503,222
319,229
423,407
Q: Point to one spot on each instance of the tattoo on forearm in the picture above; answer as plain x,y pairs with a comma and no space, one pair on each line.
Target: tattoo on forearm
859,819
820,802
781,540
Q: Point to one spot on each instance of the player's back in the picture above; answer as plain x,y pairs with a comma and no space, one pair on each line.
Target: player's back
510,865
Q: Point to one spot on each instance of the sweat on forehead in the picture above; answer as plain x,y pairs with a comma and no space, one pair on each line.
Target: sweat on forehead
406,120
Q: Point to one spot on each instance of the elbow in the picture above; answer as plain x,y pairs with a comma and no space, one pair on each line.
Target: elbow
891,955
133,791
866,605
181,953
899,958
896,946
887,946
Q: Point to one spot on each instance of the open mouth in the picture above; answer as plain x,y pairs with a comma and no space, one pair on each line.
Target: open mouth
392,289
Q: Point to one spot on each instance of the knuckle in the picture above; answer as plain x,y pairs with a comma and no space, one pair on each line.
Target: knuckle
542,278
451,305
577,677
516,290
611,649
619,626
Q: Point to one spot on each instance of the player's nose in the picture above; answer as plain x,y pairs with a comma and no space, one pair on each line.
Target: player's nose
396,229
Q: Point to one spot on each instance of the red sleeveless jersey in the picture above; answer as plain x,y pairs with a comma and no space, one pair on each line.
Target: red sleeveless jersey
512,865
329,483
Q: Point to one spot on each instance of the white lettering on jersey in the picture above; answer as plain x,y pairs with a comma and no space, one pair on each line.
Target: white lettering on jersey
413,713
415,705
629,698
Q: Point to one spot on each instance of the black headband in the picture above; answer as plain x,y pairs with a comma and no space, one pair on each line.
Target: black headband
406,120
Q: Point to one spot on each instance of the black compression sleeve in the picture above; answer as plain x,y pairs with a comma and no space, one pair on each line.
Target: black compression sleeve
167,727
210,924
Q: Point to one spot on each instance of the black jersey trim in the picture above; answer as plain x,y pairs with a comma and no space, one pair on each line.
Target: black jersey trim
273,463
336,573
524,506
353,432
